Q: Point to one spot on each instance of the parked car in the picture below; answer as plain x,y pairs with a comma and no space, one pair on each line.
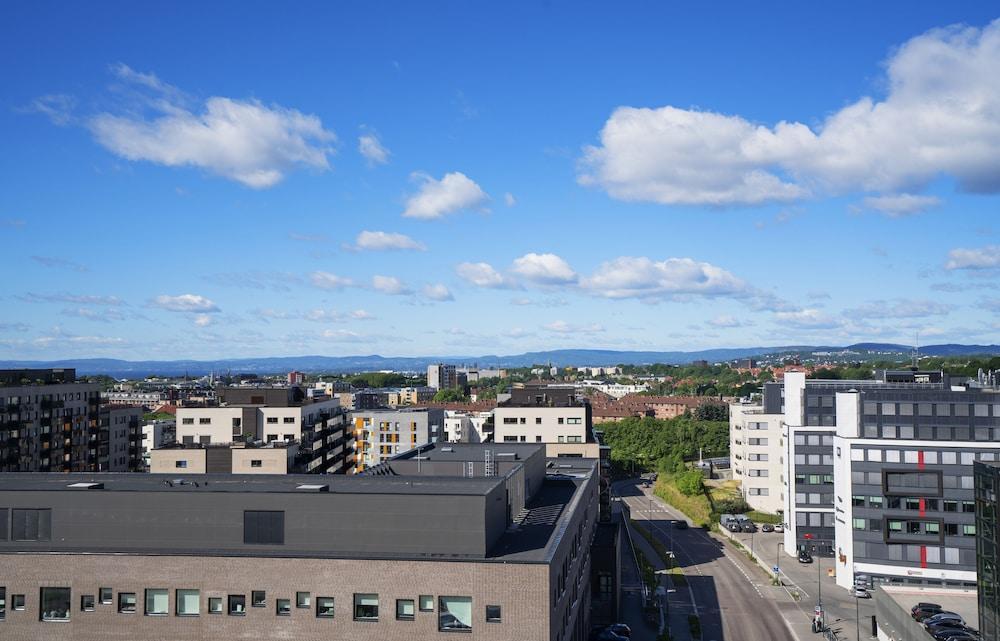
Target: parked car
733,526
608,635
923,605
953,634
748,526
805,557
680,525
778,527
767,527
923,613
621,629
947,624
861,593
941,616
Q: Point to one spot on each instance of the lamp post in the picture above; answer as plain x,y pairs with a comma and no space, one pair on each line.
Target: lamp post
819,590
777,561
857,614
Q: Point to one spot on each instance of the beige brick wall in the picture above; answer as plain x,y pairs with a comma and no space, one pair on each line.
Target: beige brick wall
520,589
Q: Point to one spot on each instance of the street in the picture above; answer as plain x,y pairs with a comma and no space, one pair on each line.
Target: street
732,598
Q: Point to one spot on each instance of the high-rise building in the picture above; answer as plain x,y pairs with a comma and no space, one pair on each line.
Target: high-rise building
757,456
987,489
442,376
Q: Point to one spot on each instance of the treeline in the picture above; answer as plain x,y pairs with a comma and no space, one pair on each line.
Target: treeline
955,366
662,445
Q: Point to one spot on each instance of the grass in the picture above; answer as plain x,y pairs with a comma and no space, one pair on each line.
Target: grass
648,572
764,517
697,507
676,574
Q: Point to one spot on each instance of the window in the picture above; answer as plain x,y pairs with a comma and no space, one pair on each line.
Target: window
87,603
561,420
204,421
283,607
968,530
426,603
187,421
288,419
455,613
215,605
302,600
156,602
324,607
256,462
258,598
404,609
180,464
126,602
912,483
272,420
510,420
54,604
3,603
493,614
188,603
237,605
106,595
366,607
31,525
263,527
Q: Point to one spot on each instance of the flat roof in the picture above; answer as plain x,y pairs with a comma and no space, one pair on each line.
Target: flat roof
962,601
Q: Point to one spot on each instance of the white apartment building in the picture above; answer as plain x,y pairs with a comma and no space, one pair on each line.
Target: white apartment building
615,390
156,434
757,451
467,427
515,424
224,424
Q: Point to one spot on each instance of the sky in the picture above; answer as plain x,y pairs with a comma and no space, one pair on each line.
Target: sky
242,179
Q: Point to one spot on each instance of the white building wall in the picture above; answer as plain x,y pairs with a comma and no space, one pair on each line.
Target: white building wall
757,454
216,423
540,424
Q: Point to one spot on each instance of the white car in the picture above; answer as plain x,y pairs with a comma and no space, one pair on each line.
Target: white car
778,527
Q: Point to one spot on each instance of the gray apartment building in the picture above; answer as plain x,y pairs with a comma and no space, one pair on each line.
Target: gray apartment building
444,540
51,423
380,434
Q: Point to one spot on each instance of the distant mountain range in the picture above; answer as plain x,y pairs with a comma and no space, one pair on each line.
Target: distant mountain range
560,358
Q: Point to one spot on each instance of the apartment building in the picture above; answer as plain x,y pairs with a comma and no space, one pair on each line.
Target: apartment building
543,414
441,376
268,414
117,445
48,421
380,434
156,433
444,543
276,457
757,452
461,426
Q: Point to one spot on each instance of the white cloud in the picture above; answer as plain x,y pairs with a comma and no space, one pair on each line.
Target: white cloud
324,316
726,321
185,303
437,292
982,258
382,241
342,335
899,308
243,140
78,299
326,280
641,277
372,149
202,320
437,198
509,200
808,319
899,205
562,327
545,269
56,107
59,263
482,275
390,285
360,314
941,115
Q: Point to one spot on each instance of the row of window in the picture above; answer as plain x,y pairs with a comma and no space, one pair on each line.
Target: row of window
454,612
814,459
931,409
931,432
912,553
522,420
927,482
915,527
814,479
814,439
911,503
930,457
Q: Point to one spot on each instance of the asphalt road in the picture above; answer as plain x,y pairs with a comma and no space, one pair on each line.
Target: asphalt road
729,595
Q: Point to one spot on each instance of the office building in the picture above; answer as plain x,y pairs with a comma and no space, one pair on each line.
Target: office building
757,456
380,434
296,378
444,541
442,376
267,414
987,489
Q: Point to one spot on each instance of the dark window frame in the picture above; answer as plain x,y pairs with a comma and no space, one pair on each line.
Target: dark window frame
101,592
406,617
235,599
278,609
258,603
333,607
84,607
123,608
913,491
497,617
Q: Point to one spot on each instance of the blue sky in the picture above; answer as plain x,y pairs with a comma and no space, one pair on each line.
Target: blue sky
248,179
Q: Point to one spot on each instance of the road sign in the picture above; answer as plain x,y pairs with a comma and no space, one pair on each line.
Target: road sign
775,568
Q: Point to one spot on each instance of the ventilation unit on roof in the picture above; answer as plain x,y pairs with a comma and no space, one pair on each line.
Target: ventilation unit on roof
447,449
512,455
306,487
86,486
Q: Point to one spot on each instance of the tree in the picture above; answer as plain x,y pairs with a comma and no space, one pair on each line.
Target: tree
453,395
691,483
711,412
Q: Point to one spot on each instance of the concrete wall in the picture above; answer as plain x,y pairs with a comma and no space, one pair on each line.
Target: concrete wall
548,430
165,461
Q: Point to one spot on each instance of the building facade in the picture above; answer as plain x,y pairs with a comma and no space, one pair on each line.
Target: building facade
987,489
756,449
442,376
543,414
276,457
380,434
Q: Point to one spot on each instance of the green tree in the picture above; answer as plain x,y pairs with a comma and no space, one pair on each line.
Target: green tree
691,482
712,412
453,395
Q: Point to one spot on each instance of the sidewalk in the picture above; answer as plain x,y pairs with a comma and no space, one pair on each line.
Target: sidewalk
677,609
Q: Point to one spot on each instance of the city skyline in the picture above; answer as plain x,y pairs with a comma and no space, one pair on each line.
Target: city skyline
485,180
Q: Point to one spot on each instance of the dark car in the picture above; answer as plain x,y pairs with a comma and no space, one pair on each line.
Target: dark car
923,613
924,605
748,526
680,525
805,557
733,526
926,616
621,629
608,635
953,634
946,624
767,527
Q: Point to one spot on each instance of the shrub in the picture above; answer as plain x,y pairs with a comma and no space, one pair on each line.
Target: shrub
691,483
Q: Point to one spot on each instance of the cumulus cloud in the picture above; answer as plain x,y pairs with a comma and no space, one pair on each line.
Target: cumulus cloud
940,115
185,303
372,149
899,205
982,258
437,198
242,140
360,314
385,241
482,275
899,308
726,321
326,280
644,278
390,285
545,269
202,320
562,327
438,292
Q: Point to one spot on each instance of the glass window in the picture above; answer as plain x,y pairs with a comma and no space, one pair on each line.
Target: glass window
404,609
455,613
258,598
302,600
493,614
106,595
156,602
54,604
365,607
237,605
215,605
859,524
3,601
126,601
188,603
324,607
87,603
426,603
283,607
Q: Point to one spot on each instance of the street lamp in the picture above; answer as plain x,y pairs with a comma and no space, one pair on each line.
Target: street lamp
857,614
777,562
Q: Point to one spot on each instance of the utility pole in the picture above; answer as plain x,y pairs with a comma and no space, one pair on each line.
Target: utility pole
857,614
777,562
